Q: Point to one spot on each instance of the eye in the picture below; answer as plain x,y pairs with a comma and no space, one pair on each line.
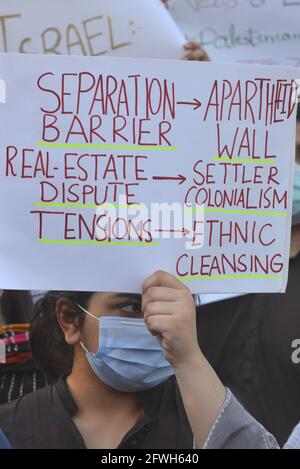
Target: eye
131,308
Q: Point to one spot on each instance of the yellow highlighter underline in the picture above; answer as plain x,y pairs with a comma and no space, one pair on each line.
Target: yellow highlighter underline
106,146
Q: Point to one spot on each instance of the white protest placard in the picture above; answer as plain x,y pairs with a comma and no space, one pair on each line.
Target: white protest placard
130,28
113,168
245,31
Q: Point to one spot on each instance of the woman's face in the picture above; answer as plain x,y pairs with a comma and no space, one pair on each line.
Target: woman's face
108,304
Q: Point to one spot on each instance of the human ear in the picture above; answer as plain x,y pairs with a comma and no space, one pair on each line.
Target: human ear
68,319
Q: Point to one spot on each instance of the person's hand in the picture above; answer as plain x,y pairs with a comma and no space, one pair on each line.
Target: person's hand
170,314
195,51
166,3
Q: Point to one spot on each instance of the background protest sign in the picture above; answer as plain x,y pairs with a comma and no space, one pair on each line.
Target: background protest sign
130,28
253,31
113,168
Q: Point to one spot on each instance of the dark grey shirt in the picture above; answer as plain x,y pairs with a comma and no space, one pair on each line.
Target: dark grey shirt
43,420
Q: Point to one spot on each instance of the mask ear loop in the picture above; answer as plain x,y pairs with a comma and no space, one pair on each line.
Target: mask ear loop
87,312
92,316
83,346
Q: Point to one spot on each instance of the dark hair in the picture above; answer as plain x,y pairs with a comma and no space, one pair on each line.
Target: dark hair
49,348
16,306
298,113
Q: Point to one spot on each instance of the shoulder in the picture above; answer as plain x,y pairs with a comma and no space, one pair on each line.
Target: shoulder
27,404
20,418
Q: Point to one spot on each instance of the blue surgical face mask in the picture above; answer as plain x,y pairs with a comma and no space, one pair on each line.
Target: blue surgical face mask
129,357
296,196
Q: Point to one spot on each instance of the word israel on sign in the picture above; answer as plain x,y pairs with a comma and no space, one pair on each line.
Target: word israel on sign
130,28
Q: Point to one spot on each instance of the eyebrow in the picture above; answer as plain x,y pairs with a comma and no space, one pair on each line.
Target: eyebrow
129,296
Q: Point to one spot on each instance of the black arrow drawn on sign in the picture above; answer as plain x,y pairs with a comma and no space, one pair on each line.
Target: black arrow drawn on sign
196,103
180,178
